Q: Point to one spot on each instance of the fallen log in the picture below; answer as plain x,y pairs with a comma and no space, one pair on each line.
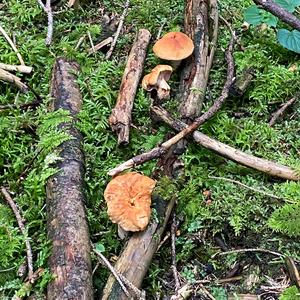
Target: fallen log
248,160
70,260
137,254
120,119
200,16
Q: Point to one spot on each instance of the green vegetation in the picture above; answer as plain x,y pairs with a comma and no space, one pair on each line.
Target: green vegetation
240,217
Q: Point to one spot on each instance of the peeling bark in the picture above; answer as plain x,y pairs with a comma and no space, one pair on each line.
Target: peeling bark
70,260
120,119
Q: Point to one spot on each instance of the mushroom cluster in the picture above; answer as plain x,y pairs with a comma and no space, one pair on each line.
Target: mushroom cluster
128,198
174,47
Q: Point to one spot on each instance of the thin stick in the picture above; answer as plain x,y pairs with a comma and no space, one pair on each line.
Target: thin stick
116,36
105,261
161,150
100,45
91,41
249,250
173,247
16,68
47,9
281,110
6,76
246,186
80,41
12,45
18,216
160,29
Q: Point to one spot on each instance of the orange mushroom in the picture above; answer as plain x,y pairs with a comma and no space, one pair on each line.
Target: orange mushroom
157,80
128,198
174,46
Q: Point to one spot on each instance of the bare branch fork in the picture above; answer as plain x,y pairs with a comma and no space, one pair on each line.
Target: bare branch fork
19,218
48,10
163,148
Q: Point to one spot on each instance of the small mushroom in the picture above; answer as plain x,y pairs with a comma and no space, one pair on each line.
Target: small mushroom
174,46
128,198
157,80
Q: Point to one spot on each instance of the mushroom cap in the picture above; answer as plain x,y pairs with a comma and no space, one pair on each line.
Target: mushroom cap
160,71
174,46
128,198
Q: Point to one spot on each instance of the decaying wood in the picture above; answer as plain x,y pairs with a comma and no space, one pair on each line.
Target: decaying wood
16,68
11,78
282,110
21,225
248,160
100,45
242,82
195,74
120,119
137,254
293,271
70,260
164,147
279,12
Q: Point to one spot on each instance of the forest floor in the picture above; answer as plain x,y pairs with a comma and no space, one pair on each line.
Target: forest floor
214,211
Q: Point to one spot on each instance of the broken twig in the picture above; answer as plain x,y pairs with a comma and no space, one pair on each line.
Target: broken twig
248,160
11,78
173,247
120,119
249,250
161,150
48,10
100,45
16,68
282,110
20,221
116,36
11,43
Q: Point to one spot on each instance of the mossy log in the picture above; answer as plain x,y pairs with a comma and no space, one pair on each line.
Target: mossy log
120,119
70,260
134,261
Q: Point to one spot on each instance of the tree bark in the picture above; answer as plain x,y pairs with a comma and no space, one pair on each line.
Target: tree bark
120,119
70,260
279,12
248,160
195,74
137,254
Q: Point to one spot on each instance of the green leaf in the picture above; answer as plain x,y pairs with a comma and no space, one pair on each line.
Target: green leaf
252,15
100,247
289,5
289,39
255,16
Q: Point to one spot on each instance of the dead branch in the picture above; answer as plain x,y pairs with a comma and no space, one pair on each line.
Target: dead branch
11,78
293,271
248,160
120,26
12,45
279,12
196,71
120,118
282,110
163,148
21,225
249,250
48,10
137,254
15,68
70,260
23,106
